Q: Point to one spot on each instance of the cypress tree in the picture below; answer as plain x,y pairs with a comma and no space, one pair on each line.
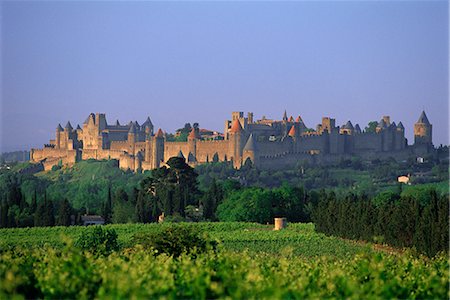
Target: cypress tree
107,208
4,207
64,213
33,206
141,214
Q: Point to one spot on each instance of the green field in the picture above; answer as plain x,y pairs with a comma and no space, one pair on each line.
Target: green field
251,261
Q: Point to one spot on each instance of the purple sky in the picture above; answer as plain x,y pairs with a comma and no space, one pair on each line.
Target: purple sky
183,62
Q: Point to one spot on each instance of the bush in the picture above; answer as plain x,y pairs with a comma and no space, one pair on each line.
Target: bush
98,241
175,240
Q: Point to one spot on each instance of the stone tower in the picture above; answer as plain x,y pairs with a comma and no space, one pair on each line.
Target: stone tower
192,145
59,129
423,130
158,149
131,139
249,151
236,138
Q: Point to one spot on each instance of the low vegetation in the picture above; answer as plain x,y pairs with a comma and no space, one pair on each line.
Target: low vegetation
62,270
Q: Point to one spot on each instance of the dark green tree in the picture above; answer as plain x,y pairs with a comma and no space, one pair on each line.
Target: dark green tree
64,214
371,126
211,199
107,208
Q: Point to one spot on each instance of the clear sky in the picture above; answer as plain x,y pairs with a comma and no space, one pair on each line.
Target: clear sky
181,62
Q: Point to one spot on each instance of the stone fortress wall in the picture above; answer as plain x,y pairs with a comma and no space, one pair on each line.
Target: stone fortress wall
266,143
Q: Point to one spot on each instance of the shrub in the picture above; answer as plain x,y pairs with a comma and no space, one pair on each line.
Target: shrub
175,240
98,241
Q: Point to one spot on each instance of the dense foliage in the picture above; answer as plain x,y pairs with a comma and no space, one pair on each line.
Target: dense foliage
419,220
251,272
98,241
175,240
263,205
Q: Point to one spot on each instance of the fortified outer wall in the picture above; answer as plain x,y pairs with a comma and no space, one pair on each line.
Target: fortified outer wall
367,142
267,148
281,161
172,149
38,155
206,150
312,143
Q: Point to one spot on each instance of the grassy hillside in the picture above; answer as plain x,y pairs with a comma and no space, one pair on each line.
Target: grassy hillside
84,185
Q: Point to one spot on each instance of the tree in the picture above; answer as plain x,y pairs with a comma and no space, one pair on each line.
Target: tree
123,210
172,188
107,208
44,215
371,127
247,205
144,208
33,202
211,199
64,214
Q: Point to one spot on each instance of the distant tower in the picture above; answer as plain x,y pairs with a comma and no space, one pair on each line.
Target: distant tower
192,138
423,130
285,118
249,151
131,138
293,133
236,139
158,149
148,126
58,136
249,117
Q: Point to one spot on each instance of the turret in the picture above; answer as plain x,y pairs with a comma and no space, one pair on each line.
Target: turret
158,149
192,144
423,130
148,126
58,136
347,128
285,118
236,135
293,133
68,127
381,126
138,127
249,151
132,134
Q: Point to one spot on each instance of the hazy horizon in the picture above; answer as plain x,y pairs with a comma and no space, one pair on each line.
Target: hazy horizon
180,62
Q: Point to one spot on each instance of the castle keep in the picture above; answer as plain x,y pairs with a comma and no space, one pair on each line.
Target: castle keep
265,143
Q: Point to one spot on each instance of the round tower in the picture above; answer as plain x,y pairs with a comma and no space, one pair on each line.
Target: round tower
249,151
158,149
131,139
235,143
58,136
192,138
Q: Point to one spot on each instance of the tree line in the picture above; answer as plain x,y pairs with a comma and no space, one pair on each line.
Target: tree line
411,218
419,221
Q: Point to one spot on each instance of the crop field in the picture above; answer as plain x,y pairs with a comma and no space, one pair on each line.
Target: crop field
251,261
